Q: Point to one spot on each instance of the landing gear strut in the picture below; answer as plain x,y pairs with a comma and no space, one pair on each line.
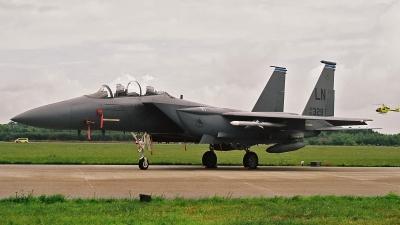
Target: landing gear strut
250,160
210,158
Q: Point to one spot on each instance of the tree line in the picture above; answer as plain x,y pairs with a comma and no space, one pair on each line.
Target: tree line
12,131
354,138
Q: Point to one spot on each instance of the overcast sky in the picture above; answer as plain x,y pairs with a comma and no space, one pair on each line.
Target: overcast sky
214,52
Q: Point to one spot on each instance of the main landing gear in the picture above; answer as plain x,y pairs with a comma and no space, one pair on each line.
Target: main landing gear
250,159
210,159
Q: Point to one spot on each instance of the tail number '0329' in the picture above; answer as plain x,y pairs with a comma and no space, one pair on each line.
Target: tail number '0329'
316,111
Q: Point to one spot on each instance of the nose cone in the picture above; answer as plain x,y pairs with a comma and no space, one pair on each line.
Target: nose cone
53,116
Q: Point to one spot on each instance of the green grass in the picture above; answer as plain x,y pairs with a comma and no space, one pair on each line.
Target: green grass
174,154
215,210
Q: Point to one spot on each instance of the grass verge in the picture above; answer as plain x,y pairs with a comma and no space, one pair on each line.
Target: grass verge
58,209
174,154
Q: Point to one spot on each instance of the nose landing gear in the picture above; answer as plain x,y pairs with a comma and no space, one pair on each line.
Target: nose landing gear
146,143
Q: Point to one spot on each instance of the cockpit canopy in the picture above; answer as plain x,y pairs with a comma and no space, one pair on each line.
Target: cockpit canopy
121,91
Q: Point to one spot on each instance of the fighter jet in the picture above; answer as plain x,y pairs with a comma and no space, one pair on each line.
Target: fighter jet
167,118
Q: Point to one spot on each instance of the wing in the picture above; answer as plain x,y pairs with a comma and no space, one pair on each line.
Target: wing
266,119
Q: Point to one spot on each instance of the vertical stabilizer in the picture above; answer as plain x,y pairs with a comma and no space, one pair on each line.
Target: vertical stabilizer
273,96
322,99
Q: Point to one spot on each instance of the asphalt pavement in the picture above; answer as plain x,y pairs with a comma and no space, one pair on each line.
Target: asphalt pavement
127,181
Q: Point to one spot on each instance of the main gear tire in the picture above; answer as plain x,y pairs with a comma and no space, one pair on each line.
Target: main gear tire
250,160
209,159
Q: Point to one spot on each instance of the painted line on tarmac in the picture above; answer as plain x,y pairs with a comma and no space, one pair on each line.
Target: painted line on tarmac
366,180
393,185
266,189
85,177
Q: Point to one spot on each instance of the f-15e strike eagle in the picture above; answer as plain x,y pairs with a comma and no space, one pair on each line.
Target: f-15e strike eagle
167,118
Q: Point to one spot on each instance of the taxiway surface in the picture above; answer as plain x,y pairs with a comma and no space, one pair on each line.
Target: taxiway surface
125,181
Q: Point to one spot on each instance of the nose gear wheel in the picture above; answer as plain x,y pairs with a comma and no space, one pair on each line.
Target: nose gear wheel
143,163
